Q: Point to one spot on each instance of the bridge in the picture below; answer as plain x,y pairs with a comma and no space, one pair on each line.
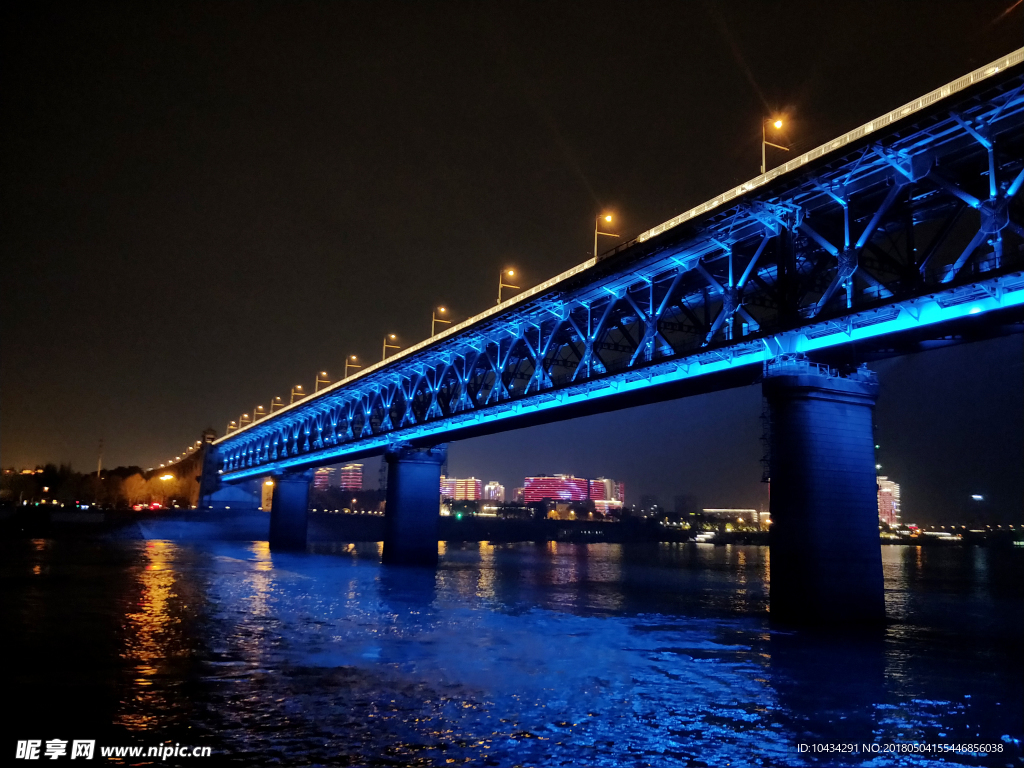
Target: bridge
899,235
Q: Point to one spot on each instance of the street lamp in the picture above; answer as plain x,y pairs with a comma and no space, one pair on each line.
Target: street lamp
297,393
777,125
350,362
606,217
434,319
244,420
257,412
231,427
501,281
325,381
384,351
276,403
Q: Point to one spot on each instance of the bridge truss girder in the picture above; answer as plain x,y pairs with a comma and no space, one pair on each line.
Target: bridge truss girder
916,225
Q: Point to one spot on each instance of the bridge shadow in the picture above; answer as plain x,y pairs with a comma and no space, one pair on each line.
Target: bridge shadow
405,588
829,683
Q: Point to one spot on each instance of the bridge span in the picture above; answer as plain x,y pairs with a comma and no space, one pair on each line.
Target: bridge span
902,233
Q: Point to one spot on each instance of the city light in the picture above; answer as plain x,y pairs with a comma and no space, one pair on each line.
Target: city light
168,476
977,497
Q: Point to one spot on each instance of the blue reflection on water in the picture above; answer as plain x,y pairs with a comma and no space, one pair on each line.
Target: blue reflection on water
546,654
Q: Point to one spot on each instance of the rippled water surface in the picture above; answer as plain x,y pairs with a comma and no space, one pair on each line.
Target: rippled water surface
508,655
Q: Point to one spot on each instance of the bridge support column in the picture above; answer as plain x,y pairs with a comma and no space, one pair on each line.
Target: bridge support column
826,562
289,510
413,505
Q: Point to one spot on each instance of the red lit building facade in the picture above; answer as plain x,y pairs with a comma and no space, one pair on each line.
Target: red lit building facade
606,494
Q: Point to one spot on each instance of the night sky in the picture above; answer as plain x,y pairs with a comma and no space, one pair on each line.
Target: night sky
205,204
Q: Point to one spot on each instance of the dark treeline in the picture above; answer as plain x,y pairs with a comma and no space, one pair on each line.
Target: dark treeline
118,488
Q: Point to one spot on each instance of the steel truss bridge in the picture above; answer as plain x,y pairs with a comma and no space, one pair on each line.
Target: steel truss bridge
906,229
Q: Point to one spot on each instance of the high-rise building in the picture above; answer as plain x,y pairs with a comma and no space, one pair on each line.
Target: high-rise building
888,501
494,491
460,488
352,477
518,494
322,478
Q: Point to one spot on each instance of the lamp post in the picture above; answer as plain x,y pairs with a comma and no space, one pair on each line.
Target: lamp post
244,420
297,393
350,362
325,381
276,403
607,217
777,125
257,412
501,281
384,351
434,319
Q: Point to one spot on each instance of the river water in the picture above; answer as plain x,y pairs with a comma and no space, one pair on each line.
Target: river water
509,655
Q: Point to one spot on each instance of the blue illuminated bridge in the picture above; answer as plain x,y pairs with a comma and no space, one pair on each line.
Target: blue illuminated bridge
899,235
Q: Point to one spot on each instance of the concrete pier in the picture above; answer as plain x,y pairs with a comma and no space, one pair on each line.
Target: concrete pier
826,562
289,511
413,505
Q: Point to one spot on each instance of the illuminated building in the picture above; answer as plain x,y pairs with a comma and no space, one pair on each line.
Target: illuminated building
517,495
323,476
888,501
559,487
352,477
460,488
494,491
749,517
607,494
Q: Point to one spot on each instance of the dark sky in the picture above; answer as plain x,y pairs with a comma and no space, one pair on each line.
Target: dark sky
204,204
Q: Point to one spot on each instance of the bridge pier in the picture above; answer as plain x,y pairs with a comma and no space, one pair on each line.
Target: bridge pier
413,505
826,562
289,510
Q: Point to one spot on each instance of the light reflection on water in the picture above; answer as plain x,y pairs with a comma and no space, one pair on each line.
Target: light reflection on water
526,654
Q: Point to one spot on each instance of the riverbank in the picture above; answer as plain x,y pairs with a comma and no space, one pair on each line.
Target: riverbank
326,527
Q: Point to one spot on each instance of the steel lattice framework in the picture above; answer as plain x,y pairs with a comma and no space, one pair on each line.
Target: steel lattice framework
911,221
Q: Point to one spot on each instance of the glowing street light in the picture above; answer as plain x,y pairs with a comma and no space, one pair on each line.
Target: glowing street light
276,403
325,381
434,319
501,281
777,125
244,420
168,476
257,412
297,393
350,362
384,351
607,218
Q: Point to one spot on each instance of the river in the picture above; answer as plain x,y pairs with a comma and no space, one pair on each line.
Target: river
508,655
